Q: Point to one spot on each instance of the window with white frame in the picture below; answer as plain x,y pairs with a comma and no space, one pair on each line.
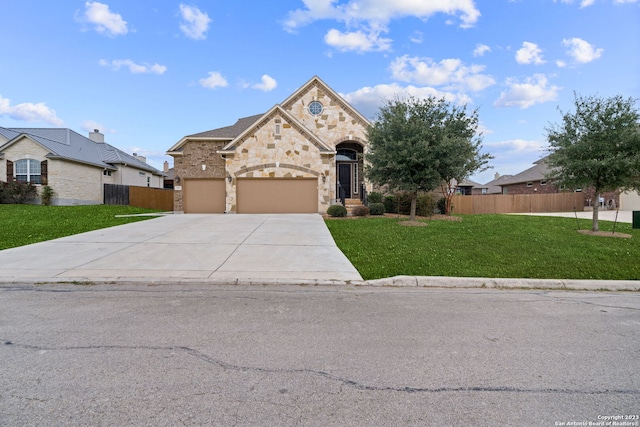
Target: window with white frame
355,178
27,170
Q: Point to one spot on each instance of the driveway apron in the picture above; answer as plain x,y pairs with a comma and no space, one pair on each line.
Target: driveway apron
193,247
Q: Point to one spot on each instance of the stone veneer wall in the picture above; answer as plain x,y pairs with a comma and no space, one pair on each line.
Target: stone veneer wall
263,154
189,165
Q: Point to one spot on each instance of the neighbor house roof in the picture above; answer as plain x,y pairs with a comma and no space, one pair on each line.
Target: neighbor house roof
495,186
538,172
66,144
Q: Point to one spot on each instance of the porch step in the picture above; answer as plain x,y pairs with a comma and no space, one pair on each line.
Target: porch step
350,204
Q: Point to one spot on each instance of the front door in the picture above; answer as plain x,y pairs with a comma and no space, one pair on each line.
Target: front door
344,178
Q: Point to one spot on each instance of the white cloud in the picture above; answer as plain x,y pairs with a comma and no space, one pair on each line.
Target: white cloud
368,100
357,41
29,112
105,21
534,90
581,51
380,11
417,37
450,73
586,3
134,68
481,49
195,23
91,125
518,146
214,80
268,84
529,53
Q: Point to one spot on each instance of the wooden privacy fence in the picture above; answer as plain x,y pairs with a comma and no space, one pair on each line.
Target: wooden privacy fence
518,203
141,197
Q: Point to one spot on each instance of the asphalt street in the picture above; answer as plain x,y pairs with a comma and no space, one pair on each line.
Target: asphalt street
137,354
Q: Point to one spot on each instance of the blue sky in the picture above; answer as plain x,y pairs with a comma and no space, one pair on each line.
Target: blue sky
147,73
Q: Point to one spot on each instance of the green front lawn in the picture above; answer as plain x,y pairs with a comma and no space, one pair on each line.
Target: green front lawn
488,246
25,224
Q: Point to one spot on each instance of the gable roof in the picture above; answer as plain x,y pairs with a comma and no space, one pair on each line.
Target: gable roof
495,186
317,81
236,131
277,110
538,172
64,143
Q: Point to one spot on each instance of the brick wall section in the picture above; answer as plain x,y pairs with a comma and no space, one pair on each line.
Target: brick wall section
189,165
536,188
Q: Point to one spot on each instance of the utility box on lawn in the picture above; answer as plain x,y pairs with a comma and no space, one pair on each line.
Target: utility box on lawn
636,219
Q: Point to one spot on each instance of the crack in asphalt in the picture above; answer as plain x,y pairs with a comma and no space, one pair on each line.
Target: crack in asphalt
344,381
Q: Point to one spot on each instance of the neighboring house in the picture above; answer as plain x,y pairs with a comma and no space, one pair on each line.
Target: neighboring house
74,166
495,186
469,188
169,175
298,157
531,181
534,181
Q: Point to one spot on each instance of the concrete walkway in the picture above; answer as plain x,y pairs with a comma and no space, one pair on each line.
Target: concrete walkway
620,216
175,248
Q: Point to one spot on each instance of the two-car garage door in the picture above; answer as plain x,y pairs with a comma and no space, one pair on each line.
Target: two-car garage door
254,195
277,195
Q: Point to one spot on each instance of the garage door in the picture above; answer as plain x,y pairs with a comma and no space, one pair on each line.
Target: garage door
204,196
277,195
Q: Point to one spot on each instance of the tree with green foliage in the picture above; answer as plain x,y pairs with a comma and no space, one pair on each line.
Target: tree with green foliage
597,146
416,144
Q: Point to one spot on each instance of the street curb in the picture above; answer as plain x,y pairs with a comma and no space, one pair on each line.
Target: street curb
391,282
501,283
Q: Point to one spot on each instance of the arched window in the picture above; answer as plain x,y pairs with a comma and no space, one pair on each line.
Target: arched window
346,154
28,170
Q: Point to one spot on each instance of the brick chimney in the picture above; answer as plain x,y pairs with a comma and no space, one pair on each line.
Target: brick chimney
165,167
96,136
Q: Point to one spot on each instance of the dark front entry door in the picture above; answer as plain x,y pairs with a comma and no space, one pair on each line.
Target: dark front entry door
344,177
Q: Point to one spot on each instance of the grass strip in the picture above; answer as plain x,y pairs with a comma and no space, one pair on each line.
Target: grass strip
26,224
492,246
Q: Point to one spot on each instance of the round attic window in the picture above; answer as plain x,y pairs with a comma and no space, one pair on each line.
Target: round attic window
315,108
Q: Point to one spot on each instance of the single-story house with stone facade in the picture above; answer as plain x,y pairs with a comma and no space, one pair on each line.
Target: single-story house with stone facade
74,166
301,156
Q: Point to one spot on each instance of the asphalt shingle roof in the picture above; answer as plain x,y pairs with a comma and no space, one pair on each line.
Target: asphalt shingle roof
538,172
229,132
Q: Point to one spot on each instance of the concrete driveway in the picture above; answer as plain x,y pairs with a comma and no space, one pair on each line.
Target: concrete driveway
177,248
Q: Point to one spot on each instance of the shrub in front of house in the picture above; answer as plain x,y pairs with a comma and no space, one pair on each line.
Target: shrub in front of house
441,205
17,192
426,205
376,209
400,203
337,211
46,195
360,211
390,205
374,197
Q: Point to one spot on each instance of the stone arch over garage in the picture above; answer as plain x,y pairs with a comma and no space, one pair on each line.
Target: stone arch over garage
245,170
